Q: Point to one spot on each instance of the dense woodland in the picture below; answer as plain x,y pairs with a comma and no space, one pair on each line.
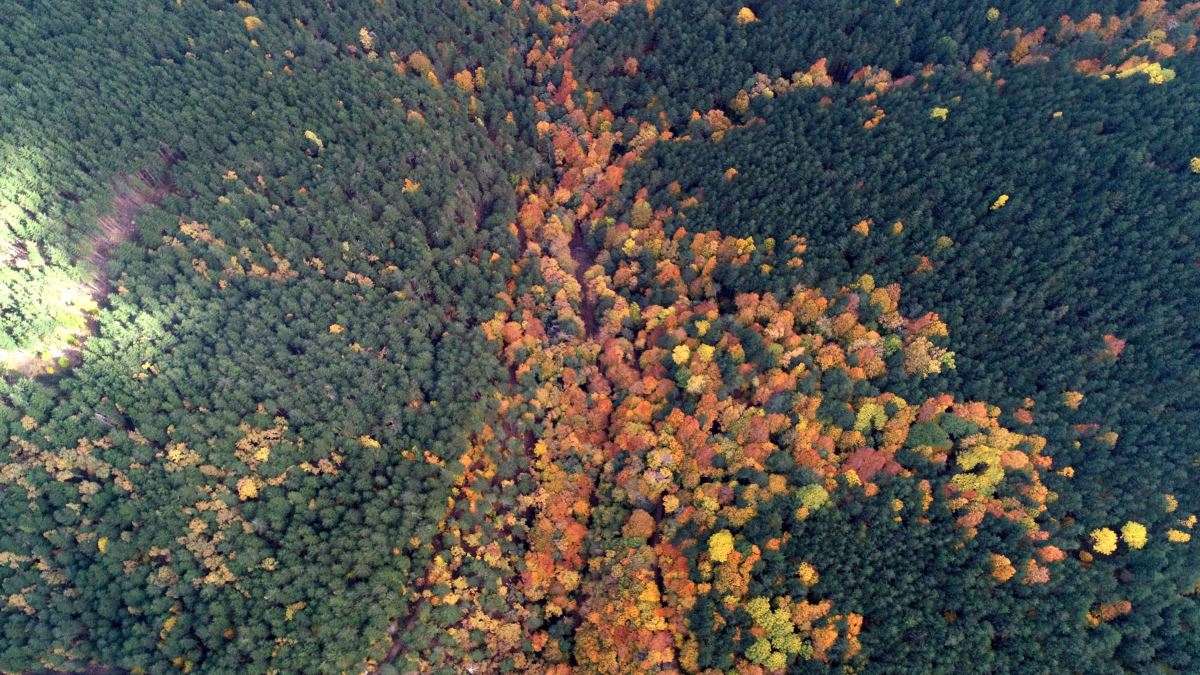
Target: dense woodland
674,335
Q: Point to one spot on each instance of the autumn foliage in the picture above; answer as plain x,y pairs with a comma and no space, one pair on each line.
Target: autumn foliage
637,415
675,420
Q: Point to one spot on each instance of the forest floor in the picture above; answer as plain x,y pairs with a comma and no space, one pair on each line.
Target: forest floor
131,193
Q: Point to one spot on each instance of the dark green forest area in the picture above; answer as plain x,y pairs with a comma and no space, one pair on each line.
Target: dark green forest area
680,336
227,329
1098,236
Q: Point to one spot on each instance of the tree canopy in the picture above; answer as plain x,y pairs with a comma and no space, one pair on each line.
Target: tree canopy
599,337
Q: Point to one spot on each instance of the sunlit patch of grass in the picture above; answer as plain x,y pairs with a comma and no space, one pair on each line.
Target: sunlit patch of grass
63,310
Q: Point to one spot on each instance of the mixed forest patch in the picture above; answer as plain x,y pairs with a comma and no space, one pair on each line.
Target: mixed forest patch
569,337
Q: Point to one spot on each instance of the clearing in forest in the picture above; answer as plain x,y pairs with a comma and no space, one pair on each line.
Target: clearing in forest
75,304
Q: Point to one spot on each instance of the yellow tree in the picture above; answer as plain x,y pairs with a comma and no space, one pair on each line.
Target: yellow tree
1104,540
1134,534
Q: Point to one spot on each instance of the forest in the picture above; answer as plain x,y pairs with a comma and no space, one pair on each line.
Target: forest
626,336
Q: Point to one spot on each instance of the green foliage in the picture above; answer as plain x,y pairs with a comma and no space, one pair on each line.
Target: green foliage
697,57
928,434
813,496
221,331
